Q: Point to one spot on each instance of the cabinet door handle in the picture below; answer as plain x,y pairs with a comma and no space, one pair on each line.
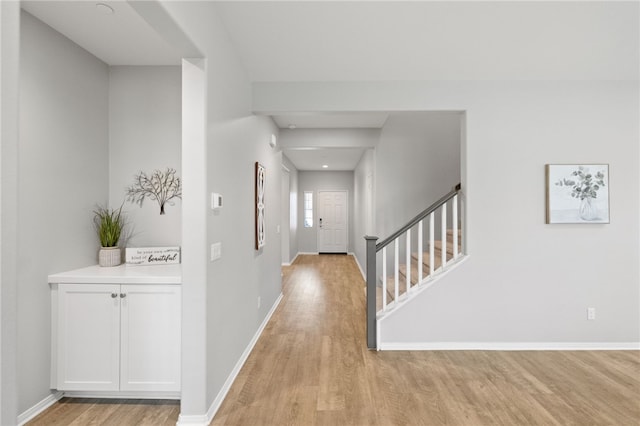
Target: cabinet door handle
123,295
114,295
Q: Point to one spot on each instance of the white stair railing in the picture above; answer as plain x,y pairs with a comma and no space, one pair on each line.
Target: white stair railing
424,272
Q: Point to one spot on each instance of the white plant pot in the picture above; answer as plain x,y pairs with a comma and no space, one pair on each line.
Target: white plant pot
109,256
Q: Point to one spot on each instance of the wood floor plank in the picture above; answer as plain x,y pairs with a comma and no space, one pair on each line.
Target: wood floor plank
311,367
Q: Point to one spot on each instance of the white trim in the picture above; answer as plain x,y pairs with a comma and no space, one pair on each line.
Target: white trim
364,276
204,420
32,412
309,253
122,394
199,420
510,346
294,259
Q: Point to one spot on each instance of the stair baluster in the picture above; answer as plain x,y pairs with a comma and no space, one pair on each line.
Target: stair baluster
443,235
432,252
408,261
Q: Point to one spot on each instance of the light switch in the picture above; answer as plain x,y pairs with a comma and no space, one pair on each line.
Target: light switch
216,251
216,201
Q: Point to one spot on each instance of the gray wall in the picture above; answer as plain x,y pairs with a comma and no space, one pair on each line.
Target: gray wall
417,162
63,173
321,181
363,206
145,135
232,285
294,221
524,281
9,130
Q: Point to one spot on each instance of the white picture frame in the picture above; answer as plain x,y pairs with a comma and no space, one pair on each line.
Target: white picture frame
577,193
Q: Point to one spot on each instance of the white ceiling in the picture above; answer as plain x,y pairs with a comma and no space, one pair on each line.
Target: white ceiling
122,38
434,40
338,159
381,40
377,41
351,120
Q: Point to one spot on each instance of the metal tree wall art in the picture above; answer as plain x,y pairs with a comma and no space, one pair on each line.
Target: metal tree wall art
160,186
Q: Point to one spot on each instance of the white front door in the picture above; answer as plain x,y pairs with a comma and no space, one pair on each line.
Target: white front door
332,222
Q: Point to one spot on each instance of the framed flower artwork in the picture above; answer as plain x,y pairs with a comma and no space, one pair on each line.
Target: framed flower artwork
577,193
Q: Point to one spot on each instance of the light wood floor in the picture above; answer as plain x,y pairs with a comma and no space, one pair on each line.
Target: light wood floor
311,367
112,412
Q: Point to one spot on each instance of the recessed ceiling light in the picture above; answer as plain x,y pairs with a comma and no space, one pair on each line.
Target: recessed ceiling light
104,9
292,126
324,166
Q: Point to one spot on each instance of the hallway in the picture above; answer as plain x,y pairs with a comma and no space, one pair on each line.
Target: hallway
311,367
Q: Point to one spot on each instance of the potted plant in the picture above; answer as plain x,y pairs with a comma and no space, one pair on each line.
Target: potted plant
109,225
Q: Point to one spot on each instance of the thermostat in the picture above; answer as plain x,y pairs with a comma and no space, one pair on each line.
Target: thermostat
216,201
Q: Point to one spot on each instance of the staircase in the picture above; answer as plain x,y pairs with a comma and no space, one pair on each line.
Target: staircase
411,258
414,277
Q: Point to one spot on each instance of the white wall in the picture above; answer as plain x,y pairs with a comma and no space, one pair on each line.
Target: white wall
145,135
235,141
321,181
363,205
524,281
62,174
417,162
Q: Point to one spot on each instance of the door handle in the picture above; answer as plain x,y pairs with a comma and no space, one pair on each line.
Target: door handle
123,295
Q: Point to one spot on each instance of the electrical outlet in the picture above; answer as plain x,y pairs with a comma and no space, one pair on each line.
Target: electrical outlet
591,313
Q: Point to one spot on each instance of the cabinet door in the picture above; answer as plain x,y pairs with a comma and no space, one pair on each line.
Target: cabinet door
88,337
150,338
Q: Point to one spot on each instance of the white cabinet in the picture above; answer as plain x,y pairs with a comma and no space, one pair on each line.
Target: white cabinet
88,340
116,338
150,338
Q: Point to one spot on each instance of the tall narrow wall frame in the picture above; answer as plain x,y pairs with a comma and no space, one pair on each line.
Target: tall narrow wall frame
259,194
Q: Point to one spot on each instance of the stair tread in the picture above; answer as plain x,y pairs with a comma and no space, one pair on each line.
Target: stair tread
437,258
402,268
414,272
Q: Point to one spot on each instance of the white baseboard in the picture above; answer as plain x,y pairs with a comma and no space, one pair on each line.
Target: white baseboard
291,263
510,346
39,408
200,420
122,395
364,275
204,420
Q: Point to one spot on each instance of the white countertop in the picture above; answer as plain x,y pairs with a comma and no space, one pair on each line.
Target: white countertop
123,274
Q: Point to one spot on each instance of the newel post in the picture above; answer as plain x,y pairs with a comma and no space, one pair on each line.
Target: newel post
371,292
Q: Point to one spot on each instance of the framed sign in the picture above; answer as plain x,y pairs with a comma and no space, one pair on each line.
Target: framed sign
152,255
259,222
